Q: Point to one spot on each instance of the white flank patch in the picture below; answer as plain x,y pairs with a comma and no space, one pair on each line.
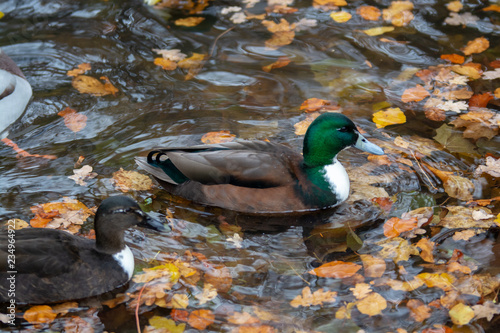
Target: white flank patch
125,258
13,105
336,175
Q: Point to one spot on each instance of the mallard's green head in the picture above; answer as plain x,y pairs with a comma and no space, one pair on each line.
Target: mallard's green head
328,135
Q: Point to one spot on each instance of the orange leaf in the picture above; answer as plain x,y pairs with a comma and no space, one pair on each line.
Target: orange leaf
23,153
427,247
179,315
384,203
454,58
165,64
336,269
477,45
480,100
73,120
82,68
372,304
373,266
220,277
415,94
281,62
189,21
201,319
369,13
39,314
394,226
90,85
418,310
495,64
495,8
256,329
217,137
314,104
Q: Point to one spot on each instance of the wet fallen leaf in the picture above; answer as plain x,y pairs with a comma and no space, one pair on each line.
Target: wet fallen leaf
390,116
477,45
90,85
304,24
336,269
418,310
463,93
415,94
454,58
209,293
492,75
217,137
369,13
497,93
459,217
302,126
201,319
242,318
372,304
316,104
23,153
180,301
166,64
340,17
480,100
397,249
81,69
461,19
456,186
453,141
454,6
189,21
281,62
479,123
73,120
328,4
163,325
427,248
219,276
456,267
373,266
39,314
468,71
193,62
486,310
399,13
174,55
378,31
361,290
60,214
461,314
82,174
395,226
131,181
317,298
495,8
491,167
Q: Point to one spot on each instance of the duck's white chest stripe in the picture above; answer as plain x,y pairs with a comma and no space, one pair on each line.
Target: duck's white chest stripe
125,258
336,175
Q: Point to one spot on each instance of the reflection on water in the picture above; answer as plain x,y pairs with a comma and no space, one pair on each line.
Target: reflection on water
231,92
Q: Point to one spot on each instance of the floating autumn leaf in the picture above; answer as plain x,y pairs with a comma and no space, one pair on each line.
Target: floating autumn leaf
82,174
397,249
427,248
415,94
281,62
166,64
316,104
453,58
378,31
454,6
480,100
418,310
189,21
395,226
443,281
328,4
469,71
217,137
131,181
81,69
491,167
369,13
477,45
492,75
317,298
89,85
209,293
390,116
456,186
461,19
174,55
73,120
69,215
18,224
461,314
160,324
283,33
459,217
399,13
340,17
218,276
453,140
242,318
486,310
336,269
304,24
201,319
479,123
39,314
193,64
373,266
361,290
495,8
372,305
179,301
301,126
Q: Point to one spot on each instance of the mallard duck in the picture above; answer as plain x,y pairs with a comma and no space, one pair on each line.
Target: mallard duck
260,177
51,265
15,93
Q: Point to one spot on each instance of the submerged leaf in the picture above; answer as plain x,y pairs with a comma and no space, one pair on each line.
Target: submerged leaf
336,269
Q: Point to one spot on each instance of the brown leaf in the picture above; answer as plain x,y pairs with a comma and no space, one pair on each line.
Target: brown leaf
201,319
73,120
477,45
90,85
189,21
82,68
336,269
217,137
456,186
415,94
39,314
480,100
435,114
281,62
459,217
131,181
369,13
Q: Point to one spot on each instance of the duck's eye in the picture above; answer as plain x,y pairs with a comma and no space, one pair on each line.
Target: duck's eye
343,129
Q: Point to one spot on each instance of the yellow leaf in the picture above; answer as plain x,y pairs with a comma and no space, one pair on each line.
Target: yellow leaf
90,85
336,269
497,92
477,45
377,31
402,18
194,61
280,38
390,116
1,15
39,314
162,324
180,301
461,314
443,281
471,72
165,64
208,294
131,180
341,16
372,304
189,21
361,290
455,6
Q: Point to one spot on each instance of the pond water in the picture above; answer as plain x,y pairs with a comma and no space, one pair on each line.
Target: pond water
155,107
